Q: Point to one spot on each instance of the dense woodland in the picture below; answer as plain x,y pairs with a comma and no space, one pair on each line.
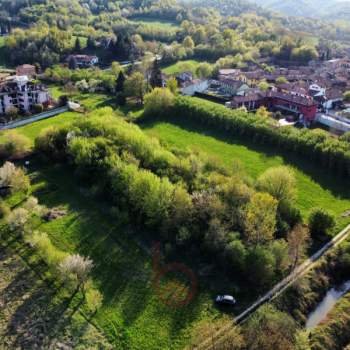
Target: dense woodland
111,29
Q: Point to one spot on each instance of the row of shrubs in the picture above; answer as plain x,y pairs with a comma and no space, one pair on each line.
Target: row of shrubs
316,145
186,199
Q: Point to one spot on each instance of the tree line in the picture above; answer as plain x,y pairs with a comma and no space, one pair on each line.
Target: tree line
315,145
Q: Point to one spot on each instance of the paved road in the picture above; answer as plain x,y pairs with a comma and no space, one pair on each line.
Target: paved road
282,285
35,118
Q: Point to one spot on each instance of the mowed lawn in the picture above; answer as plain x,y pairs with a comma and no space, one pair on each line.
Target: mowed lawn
315,187
156,23
181,66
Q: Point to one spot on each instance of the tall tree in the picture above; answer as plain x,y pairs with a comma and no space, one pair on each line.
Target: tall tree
72,63
260,218
156,75
135,86
298,239
119,87
77,46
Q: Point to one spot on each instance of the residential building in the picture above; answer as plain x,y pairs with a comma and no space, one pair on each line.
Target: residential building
84,61
233,87
22,93
26,69
275,100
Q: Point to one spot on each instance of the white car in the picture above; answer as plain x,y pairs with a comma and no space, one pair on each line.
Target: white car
225,299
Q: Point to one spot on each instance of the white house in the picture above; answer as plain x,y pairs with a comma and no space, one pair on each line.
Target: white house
196,86
20,92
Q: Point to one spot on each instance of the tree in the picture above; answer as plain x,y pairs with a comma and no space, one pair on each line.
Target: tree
188,43
279,182
346,96
116,68
4,209
77,45
156,75
120,82
72,62
262,112
14,146
11,113
281,80
135,86
12,179
298,239
204,70
259,218
90,43
260,265
17,219
78,268
158,101
171,84
345,137
94,299
320,222
269,329
263,85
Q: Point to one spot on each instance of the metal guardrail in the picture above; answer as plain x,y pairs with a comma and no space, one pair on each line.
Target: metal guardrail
37,117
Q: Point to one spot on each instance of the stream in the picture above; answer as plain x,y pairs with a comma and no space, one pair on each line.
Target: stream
326,305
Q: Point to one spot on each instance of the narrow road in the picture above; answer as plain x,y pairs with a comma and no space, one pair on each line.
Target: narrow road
282,285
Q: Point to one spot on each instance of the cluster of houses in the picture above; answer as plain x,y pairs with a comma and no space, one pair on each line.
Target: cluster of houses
22,92
303,92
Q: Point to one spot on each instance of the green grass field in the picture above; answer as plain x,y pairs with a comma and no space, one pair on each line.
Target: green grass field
315,188
132,315
155,22
181,66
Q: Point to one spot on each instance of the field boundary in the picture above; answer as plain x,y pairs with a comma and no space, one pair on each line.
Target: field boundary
35,118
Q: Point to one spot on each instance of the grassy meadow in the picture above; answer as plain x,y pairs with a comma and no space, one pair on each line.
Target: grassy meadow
315,187
181,66
132,316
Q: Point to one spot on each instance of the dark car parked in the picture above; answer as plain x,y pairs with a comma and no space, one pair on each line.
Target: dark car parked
225,299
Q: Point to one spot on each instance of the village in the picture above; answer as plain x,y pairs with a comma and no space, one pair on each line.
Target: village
303,96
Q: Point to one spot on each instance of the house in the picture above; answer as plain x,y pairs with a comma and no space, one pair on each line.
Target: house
20,92
276,100
251,102
184,78
191,88
233,87
26,69
84,61
334,97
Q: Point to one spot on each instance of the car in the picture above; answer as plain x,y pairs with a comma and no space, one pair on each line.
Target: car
225,299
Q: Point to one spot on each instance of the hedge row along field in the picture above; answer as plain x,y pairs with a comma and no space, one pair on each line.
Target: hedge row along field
317,146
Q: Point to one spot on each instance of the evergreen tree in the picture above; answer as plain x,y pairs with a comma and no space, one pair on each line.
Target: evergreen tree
90,44
156,75
72,63
120,82
77,46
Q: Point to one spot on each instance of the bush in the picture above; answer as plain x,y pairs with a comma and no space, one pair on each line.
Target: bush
320,222
15,146
52,142
158,101
38,108
4,209
12,179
